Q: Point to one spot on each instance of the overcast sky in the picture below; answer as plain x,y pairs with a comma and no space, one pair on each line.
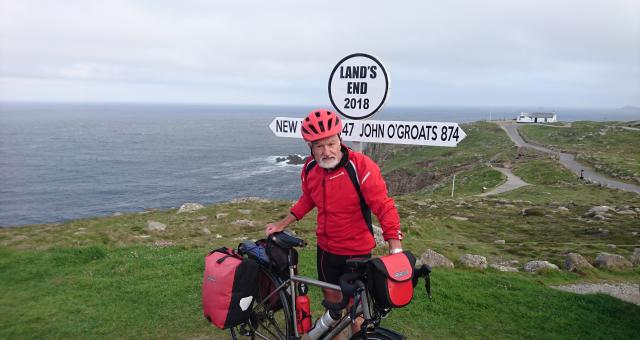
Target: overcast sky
572,53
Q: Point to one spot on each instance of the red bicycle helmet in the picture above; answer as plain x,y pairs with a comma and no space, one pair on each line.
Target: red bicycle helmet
320,124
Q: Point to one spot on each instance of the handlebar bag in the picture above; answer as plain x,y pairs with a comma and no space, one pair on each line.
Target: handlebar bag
229,287
279,258
392,275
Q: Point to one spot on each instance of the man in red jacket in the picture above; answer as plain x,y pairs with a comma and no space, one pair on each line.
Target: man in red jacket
342,229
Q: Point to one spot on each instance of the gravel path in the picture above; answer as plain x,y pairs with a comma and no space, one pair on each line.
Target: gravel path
629,292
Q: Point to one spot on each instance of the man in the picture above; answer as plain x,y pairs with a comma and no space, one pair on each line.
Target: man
342,230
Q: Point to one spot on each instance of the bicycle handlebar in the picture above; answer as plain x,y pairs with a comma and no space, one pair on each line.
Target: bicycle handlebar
348,290
287,240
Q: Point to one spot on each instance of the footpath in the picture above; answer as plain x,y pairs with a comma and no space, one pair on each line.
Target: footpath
513,182
568,160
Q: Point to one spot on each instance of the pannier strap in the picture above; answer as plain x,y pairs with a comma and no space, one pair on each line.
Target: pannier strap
230,253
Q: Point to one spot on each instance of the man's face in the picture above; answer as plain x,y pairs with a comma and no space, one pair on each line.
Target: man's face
327,152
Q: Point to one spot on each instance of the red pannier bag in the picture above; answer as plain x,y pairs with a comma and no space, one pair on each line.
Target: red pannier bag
229,287
392,277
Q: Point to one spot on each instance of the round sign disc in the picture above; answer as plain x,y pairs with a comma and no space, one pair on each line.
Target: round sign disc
358,86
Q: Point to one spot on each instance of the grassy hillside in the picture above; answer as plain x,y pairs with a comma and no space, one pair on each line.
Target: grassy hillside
411,168
149,292
111,277
610,147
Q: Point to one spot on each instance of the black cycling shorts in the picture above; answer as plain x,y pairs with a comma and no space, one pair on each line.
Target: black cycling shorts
331,266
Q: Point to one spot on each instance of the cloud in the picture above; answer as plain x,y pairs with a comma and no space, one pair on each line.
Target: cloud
535,52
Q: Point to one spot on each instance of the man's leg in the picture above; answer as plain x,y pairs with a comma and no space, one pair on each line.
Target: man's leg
330,267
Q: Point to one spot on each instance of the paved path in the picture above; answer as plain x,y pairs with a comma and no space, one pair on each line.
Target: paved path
513,182
568,160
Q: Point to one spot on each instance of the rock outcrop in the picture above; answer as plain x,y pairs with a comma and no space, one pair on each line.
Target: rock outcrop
538,266
635,258
291,159
435,259
575,262
612,262
473,261
190,207
156,226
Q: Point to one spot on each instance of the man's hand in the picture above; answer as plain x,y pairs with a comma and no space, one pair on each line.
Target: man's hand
273,228
279,226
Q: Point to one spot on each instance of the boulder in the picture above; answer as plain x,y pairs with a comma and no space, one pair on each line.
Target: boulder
434,259
206,231
202,218
221,215
190,207
155,226
532,212
600,210
473,261
459,218
218,236
575,262
377,235
537,266
502,268
563,209
245,211
499,242
635,258
611,262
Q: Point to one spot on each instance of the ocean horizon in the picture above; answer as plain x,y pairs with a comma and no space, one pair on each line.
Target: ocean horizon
64,161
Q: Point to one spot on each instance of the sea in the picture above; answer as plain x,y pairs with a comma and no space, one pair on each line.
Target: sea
65,161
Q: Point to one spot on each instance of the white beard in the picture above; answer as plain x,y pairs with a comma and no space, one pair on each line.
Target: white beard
329,163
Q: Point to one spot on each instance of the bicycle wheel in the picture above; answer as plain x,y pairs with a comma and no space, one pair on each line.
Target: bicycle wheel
379,334
270,318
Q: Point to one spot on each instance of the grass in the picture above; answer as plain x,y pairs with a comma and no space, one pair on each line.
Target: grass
150,292
470,182
604,145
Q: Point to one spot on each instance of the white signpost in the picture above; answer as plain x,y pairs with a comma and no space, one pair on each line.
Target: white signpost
358,88
378,131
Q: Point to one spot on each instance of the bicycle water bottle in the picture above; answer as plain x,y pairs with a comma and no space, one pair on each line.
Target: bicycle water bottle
323,324
303,310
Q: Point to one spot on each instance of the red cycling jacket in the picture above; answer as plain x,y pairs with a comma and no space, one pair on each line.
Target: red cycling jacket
342,229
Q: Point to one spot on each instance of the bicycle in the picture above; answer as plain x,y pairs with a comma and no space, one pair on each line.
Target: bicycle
273,315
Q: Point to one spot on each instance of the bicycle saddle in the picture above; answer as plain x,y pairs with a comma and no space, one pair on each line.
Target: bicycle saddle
357,262
286,239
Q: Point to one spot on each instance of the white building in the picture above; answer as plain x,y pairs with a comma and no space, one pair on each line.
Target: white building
537,117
